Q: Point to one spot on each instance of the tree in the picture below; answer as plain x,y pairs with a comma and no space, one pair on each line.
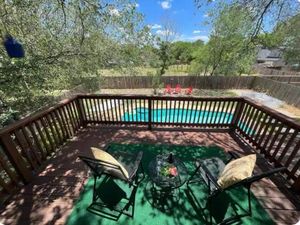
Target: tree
200,63
290,37
269,40
182,52
285,36
65,41
164,40
262,11
228,50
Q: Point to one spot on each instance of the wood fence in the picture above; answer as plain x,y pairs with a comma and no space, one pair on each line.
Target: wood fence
269,71
201,82
26,144
294,80
283,88
283,91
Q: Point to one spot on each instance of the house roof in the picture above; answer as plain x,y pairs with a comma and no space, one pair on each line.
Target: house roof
269,54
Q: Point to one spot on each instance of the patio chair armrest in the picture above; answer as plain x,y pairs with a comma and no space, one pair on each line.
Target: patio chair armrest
232,155
269,173
137,163
207,174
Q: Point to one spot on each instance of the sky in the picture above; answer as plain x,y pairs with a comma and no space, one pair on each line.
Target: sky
189,22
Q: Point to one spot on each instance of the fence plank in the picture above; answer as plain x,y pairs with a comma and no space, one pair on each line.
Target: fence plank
286,92
280,88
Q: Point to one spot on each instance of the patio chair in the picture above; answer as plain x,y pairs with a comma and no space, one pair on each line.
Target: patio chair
189,90
119,165
177,89
168,89
209,171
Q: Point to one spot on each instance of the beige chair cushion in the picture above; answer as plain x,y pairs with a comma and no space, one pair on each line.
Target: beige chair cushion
106,157
237,170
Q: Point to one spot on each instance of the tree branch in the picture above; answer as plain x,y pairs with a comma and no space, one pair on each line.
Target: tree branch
260,19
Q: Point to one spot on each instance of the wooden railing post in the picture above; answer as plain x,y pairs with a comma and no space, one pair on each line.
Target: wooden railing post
80,111
237,114
149,114
296,185
15,158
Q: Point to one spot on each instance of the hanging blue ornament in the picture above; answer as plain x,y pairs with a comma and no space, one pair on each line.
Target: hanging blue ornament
13,48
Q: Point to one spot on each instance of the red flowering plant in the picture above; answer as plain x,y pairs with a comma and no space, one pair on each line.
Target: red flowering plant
169,171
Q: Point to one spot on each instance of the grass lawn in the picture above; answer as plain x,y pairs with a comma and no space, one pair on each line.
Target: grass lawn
175,70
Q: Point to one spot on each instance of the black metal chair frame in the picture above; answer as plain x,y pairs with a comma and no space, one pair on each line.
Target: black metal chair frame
214,193
99,168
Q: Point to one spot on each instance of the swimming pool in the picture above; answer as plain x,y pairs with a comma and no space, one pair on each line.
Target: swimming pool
183,116
178,116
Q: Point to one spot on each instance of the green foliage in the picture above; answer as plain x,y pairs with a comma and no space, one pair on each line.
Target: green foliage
182,52
8,117
229,50
68,43
260,15
291,41
285,36
64,42
264,13
156,82
164,55
270,40
200,61
176,53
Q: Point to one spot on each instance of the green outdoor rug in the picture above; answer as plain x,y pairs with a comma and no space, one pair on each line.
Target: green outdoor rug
178,209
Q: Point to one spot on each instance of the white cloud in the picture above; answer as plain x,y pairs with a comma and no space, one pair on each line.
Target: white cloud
206,15
114,12
155,26
166,4
196,31
137,5
162,32
165,32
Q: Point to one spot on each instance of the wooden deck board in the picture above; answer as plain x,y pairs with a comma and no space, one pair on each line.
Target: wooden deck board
49,198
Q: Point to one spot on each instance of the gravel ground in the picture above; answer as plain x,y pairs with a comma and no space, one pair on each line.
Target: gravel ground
261,98
271,102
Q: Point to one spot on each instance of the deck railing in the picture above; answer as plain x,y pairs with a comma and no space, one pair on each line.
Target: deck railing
26,144
157,111
274,135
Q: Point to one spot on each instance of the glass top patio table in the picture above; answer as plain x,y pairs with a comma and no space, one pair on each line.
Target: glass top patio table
158,175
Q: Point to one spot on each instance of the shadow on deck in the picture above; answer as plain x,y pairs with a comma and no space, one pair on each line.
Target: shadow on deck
49,198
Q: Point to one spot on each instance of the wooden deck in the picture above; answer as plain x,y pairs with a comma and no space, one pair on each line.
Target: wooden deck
49,198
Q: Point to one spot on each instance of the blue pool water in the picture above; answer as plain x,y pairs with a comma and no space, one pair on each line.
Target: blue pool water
183,116
179,116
